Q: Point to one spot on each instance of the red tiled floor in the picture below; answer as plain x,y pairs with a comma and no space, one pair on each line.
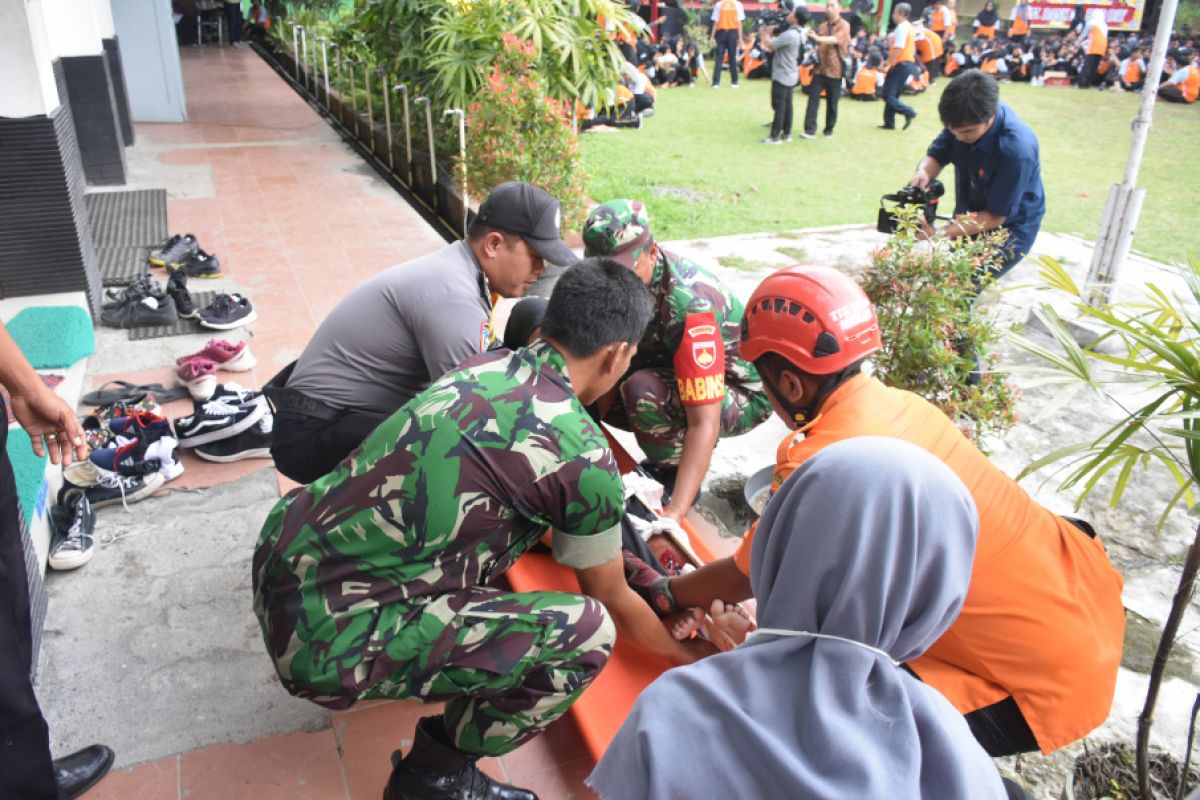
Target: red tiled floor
300,766
198,473
297,224
154,780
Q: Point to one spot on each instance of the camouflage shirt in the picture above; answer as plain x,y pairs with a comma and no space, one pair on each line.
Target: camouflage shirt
451,489
682,287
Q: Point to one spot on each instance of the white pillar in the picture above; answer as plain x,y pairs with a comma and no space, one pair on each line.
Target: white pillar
72,27
25,61
104,19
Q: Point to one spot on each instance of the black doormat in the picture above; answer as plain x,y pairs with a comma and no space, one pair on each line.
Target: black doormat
180,327
121,266
128,218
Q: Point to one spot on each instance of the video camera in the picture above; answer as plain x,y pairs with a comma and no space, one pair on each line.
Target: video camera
927,198
777,20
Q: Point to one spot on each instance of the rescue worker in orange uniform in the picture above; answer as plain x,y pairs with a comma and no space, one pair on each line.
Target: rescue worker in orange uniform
1095,34
727,17
1032,659
1184,84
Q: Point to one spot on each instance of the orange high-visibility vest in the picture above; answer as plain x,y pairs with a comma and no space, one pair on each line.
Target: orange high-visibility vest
1133,71
865,82
991,66
1097,42
727,18
985,32
937,23
925,49
952,65
1191,87
908,47
1020,26
805,72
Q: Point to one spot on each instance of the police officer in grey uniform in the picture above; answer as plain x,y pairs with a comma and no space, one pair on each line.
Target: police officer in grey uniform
392,336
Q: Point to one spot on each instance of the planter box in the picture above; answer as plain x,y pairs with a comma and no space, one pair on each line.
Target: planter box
380,143
423,184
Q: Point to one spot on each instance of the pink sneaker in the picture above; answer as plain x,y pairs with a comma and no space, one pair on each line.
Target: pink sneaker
199,375
226,355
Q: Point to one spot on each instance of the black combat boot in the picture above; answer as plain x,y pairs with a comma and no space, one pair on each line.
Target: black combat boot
436,770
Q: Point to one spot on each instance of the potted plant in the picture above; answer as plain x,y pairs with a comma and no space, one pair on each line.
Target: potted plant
938,342
1151,344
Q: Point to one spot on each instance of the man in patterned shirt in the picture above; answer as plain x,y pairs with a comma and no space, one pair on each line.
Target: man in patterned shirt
375,580
687,386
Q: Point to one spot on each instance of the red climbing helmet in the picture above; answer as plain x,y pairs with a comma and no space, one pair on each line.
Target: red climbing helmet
817,318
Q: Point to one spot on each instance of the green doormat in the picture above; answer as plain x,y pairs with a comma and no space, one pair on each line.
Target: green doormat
53,337
28,470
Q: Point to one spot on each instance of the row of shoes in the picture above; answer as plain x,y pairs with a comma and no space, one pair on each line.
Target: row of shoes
198,371
134,448
147,303
232,425
182,254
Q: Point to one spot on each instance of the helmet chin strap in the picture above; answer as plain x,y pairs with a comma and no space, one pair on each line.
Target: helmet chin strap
802,415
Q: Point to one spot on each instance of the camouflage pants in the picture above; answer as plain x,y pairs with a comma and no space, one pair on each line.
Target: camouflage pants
651,406
507,664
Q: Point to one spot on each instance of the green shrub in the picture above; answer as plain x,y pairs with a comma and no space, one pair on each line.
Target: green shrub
517,132
924,296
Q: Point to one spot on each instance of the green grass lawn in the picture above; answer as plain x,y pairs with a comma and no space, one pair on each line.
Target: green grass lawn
700,169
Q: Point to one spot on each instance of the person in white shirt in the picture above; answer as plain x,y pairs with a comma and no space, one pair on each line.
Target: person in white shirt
901,66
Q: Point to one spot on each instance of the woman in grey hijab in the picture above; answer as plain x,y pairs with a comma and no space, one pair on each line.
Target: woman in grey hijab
861,562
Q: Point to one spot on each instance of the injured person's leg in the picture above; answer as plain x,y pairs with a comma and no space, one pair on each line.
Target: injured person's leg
726,624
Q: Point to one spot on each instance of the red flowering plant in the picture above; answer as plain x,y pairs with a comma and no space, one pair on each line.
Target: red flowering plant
934,329
518,132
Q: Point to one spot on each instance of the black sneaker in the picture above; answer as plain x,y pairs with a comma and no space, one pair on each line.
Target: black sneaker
72,545
198,264
144,286
234,394
111,489
148,312
172,252
254,442
177,289
226,312
217,419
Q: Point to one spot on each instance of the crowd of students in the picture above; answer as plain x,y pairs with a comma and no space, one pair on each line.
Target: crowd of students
1087,55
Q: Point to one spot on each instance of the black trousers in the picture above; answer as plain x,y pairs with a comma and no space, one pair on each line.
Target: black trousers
893,85
305,447
1001,729
1087,78
781,104
1171,94
727,42
233,22
26,770
833,93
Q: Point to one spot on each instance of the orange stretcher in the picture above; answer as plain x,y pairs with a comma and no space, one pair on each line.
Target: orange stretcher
602,708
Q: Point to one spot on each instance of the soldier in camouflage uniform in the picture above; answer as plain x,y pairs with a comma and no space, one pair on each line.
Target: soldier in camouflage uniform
374,581
687,385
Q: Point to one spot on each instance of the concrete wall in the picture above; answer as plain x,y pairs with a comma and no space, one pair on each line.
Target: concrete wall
145,32
25,61
72,27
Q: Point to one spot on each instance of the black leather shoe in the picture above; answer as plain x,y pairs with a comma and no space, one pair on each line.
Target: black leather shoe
434,770
80,771
908,121
886,127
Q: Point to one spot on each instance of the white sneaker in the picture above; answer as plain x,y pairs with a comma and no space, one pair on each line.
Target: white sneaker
164,450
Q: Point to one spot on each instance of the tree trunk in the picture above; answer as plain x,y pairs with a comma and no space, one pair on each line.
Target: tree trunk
1183,595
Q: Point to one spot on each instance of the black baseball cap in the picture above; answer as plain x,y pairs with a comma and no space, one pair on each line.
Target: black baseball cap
531,213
